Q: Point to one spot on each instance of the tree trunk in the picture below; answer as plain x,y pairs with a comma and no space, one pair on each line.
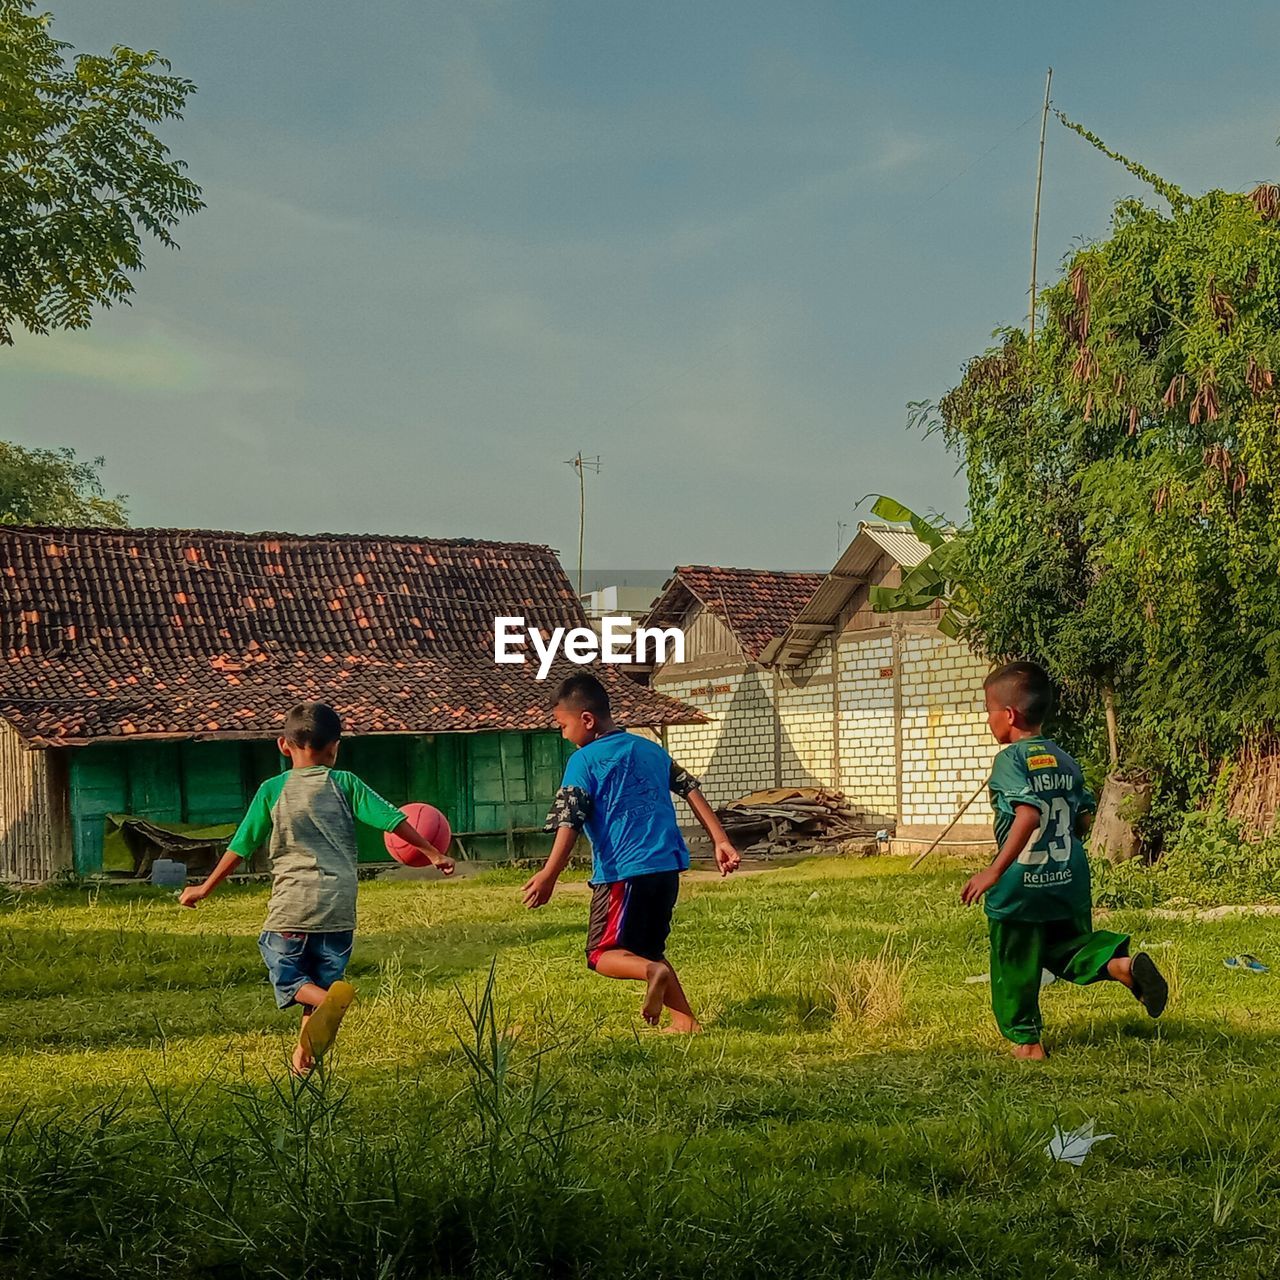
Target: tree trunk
1113,734
1124,804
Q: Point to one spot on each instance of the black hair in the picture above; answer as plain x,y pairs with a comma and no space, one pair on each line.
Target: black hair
312,726
1026,687
585,693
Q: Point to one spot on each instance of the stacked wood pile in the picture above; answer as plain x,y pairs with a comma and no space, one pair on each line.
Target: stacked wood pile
785,819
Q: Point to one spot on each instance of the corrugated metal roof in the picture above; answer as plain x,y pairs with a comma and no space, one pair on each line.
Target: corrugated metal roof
901,544
873,540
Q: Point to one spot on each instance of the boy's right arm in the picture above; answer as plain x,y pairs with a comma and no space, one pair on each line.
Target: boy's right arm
538,889
252,832
1026,820
1011,786
567,818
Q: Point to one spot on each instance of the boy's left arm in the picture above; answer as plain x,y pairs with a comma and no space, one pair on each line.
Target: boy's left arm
251,834
683,783
371,809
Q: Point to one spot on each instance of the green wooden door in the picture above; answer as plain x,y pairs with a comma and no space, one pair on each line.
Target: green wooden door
155,781
99,786
497,784
513,779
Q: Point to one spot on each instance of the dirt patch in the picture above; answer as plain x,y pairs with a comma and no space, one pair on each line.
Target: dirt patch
746,869
1214,913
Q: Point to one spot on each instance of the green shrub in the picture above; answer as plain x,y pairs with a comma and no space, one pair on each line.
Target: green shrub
1208,863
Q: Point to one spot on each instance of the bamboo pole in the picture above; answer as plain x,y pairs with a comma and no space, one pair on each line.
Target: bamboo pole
964,808
1113,733
1035,220
582,515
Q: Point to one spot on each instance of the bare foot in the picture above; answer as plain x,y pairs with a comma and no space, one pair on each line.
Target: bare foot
1030,1052
657,975
302,1060
682,1027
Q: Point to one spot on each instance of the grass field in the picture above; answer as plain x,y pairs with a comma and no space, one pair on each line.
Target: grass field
848,1112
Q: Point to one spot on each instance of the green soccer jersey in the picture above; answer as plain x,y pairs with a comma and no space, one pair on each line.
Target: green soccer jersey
307,817
1050,879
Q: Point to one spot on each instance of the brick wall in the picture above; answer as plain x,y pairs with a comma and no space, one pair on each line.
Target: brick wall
734,752
946,746
868,763
807,722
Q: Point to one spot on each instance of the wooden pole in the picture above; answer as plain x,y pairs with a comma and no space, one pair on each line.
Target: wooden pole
580,465
947,831
1035,220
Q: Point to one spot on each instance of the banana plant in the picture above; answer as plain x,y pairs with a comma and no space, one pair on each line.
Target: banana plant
934,579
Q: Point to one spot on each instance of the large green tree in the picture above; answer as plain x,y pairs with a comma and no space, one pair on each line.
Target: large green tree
1124,523
51,486
83,179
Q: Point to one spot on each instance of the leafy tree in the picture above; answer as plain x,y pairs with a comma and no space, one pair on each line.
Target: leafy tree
1123,523
49,486
82,177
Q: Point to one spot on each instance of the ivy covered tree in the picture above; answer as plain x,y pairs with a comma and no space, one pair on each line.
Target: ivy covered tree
51,486
82,177
1123,523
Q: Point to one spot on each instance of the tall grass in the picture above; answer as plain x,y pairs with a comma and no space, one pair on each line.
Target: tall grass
845,1114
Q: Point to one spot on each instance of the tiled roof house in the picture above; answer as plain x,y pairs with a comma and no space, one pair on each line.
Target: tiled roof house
746,609
803,684
145,673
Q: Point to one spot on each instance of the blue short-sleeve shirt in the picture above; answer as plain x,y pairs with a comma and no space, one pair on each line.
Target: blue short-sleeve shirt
618,788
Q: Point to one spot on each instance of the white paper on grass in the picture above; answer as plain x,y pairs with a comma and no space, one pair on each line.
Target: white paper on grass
1046,978
1072,1147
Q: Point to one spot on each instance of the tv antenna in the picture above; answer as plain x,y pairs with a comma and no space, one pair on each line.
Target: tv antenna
582,465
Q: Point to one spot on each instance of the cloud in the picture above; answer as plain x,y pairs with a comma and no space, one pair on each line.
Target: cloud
157,360
898,151
149,362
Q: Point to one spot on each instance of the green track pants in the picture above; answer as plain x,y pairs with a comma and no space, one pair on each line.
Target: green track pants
1070,949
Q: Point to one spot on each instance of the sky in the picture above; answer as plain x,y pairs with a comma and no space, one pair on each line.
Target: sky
723,246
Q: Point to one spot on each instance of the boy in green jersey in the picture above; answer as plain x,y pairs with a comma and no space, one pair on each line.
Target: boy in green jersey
1038,904
307,818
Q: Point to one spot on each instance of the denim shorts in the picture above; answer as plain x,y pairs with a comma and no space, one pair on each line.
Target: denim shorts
294,959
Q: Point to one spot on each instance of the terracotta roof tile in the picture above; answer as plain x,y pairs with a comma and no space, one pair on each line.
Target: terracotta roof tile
757,605
160,632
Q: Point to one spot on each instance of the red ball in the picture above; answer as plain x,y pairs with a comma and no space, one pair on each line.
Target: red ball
430,824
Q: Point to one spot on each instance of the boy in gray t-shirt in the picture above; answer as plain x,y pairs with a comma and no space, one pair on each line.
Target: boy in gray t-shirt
307,818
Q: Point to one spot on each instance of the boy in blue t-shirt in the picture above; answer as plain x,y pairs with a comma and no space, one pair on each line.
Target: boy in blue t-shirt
618,787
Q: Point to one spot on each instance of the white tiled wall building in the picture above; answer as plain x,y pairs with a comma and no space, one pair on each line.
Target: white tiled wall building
868,724
912,748
892,715
947,748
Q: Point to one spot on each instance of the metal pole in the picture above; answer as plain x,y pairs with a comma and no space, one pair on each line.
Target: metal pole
582,515
1035,221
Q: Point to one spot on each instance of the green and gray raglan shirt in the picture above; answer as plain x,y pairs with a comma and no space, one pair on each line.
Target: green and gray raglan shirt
1050,879
309,818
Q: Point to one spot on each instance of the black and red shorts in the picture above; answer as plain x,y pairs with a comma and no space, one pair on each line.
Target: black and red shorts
632,915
